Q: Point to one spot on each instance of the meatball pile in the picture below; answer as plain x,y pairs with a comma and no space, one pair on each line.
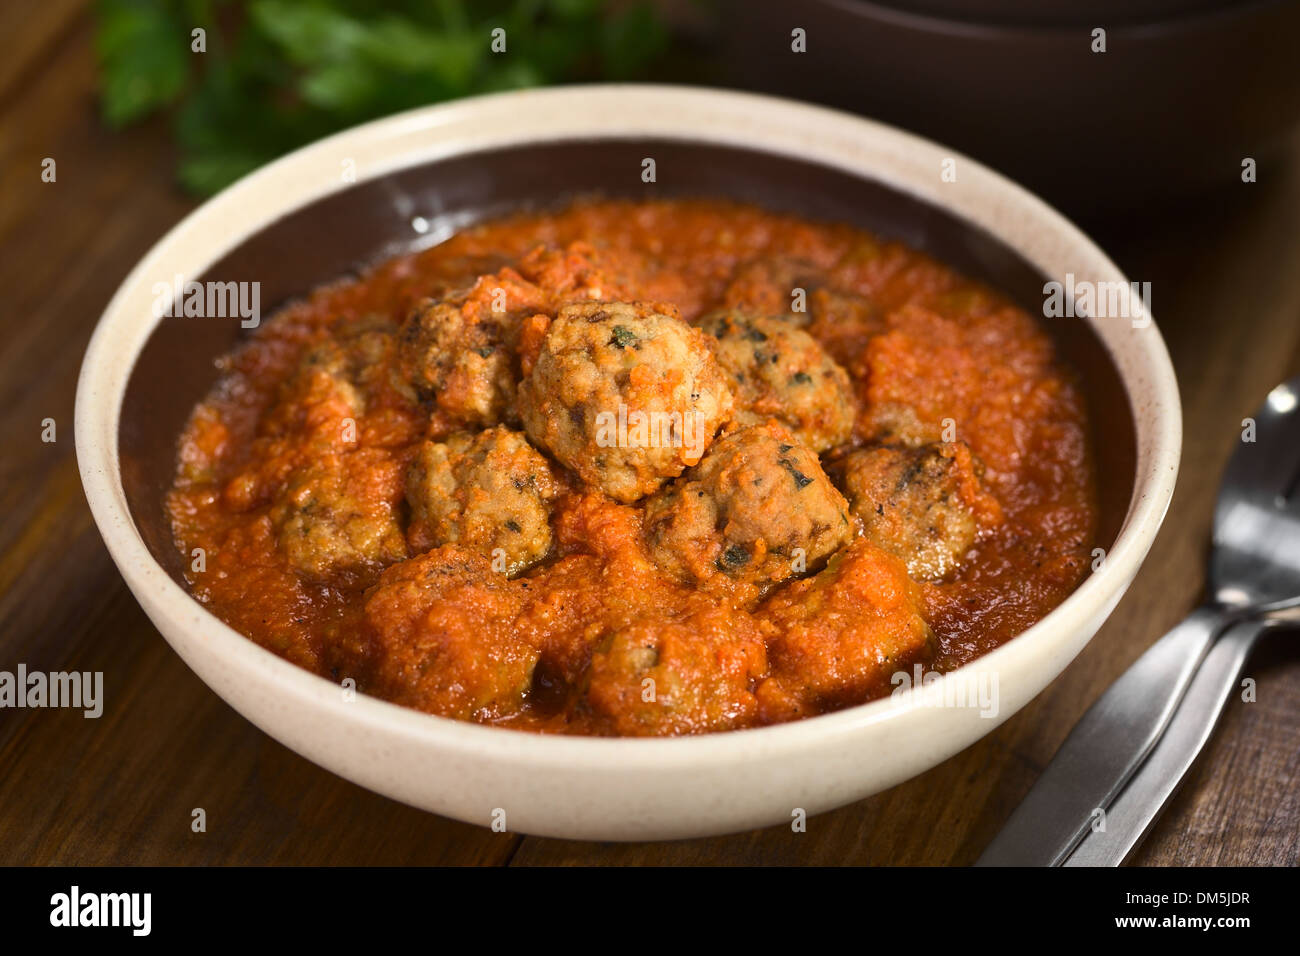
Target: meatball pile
576,434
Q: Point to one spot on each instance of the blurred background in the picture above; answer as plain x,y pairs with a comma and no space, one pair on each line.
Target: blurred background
1101,105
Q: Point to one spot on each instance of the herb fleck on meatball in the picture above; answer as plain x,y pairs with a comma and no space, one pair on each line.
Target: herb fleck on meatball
757,509
484,492
625,394
779,371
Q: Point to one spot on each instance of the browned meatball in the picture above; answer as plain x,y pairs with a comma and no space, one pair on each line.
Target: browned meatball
838,637
843,324
337,515
766,286
463,360
916,502
343,394
334,502
892,423
489,492
800,292
692,675
325,372
757,509
346,375
779,371
463,349
364,351
625,394
444,635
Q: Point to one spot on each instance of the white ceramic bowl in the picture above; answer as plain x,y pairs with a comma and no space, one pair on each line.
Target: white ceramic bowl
620,789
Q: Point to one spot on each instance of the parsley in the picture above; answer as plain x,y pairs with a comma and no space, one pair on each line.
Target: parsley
276,74
801,481
622,337
736,556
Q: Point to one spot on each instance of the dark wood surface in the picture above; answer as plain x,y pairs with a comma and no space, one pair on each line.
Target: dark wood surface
121,789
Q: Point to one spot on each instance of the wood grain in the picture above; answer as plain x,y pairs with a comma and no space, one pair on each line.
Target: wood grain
121,789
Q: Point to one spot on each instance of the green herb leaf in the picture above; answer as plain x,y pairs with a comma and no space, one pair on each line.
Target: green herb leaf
280,73
144,52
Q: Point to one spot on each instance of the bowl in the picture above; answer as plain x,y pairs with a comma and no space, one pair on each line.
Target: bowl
411,179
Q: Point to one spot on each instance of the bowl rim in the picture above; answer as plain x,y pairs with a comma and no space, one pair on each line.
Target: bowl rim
860,146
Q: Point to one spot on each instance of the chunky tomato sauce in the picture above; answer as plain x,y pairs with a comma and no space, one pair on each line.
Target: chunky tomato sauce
401,479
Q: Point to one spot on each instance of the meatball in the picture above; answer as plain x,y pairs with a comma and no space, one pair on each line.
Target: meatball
463,349
337,514
489,492
767,285
893,423
838,637
779,371
919,503
676,677
444,636
625,394
346,375
342,395
843,324
364,351
757,509
463,360
324,377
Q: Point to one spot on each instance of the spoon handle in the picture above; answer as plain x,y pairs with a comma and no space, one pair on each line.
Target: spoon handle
1136,809
1105,748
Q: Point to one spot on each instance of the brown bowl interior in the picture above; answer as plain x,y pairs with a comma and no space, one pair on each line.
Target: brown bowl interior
339,234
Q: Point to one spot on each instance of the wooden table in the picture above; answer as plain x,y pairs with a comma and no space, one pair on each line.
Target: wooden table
121,789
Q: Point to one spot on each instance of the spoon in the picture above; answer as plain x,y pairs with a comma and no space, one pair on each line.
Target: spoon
1254,570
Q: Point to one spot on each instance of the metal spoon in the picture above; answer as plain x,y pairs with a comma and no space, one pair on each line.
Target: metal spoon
1254,570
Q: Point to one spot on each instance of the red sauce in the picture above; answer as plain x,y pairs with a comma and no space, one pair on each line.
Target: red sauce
578,641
